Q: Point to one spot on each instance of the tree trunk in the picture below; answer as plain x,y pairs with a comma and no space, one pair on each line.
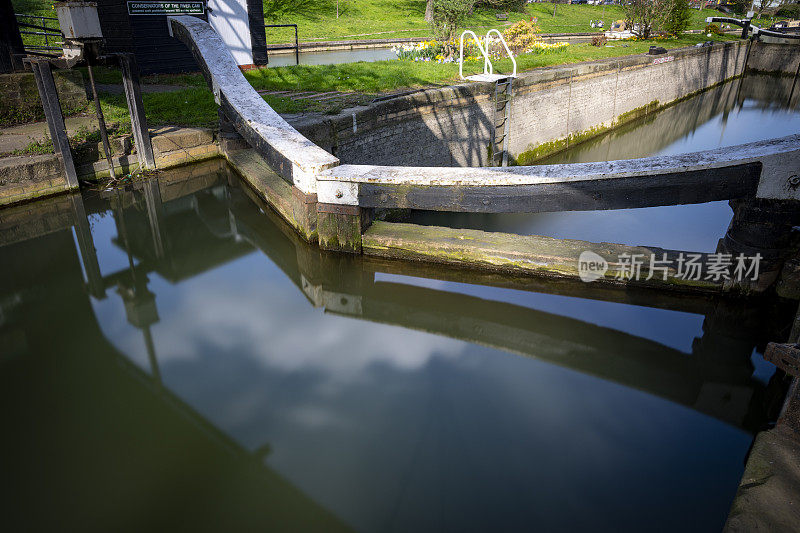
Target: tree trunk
429,11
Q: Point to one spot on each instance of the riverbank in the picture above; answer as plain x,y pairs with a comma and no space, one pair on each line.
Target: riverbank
303,95
184,99
376,19
194,104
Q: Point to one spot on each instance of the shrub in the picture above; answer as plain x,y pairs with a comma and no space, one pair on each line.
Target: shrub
438,51
599,40
510,5
713,29
521,36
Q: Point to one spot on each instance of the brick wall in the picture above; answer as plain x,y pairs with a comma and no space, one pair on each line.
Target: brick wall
19,97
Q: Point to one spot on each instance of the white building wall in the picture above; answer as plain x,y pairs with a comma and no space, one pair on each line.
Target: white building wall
229,19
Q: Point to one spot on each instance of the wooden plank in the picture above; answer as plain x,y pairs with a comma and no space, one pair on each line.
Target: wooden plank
55,119
133,95
693,187
530,255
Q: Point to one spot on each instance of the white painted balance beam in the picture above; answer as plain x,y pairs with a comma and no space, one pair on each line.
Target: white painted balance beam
295,158
771,166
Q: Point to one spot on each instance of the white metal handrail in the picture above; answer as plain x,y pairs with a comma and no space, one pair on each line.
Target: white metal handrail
487,64
484,48
505,45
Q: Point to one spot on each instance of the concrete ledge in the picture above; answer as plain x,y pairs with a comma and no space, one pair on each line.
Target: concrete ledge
768,498
173,146
518,254
24,178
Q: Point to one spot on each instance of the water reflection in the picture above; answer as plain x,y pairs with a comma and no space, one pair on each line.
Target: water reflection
744,110
200,386
333,57
740,111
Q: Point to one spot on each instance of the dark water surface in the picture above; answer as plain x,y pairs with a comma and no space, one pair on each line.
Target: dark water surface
205,370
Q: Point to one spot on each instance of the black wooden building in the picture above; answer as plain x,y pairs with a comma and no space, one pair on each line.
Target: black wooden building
148,38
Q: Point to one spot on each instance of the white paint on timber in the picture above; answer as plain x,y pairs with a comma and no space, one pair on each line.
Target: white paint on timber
282,141
313,170
229,19
340,192
780,159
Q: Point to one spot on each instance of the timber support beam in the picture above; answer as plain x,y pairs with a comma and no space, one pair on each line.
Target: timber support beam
340,227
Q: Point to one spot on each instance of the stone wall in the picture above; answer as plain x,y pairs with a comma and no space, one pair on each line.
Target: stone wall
19,97
25,177
553,107
783,58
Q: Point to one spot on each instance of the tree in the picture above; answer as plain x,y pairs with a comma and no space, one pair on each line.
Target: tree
759,6
646,16
643,16
448,15
429,11
677,17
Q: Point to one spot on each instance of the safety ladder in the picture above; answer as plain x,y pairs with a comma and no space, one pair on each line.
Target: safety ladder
503,94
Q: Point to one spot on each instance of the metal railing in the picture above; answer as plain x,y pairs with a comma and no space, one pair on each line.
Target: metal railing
488,69
296,46
25,23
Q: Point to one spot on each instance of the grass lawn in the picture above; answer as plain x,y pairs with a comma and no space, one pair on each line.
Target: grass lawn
384,19
195,104
363,19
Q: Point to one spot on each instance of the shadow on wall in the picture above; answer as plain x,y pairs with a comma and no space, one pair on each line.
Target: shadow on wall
435,133
458,132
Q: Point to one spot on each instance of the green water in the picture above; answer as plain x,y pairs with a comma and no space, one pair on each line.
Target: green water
212,372
174,358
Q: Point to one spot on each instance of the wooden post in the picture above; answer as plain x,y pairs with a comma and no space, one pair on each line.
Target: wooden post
55,119
155,214
11,47
340,227
133,94
83,232
745,29
258,38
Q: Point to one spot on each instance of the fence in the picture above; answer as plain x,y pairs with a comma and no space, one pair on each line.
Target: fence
39,38
296,46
